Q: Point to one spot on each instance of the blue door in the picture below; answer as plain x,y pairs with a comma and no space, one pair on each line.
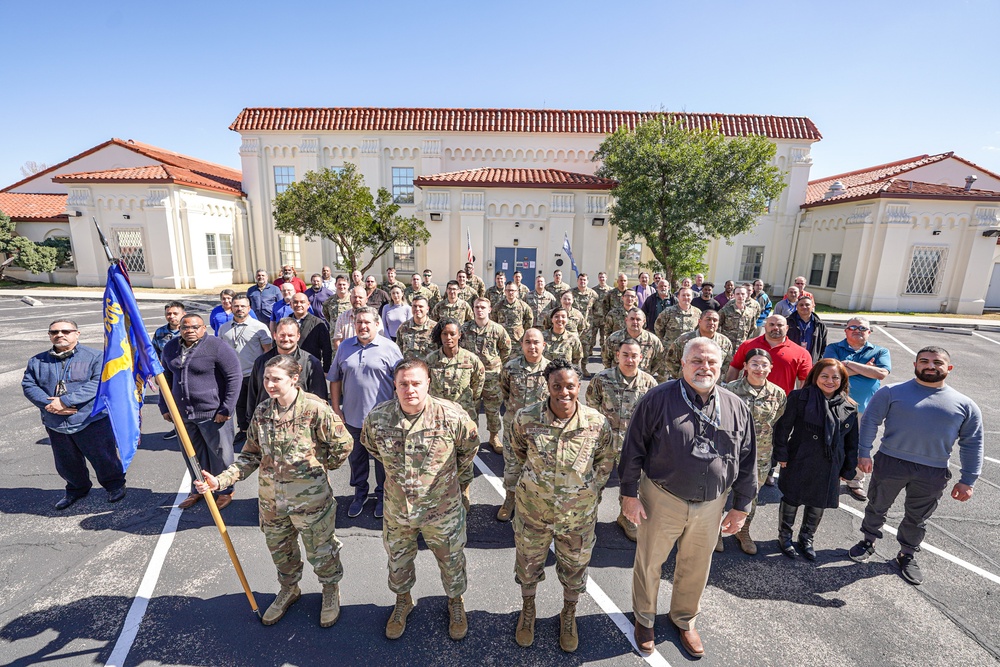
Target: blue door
509,260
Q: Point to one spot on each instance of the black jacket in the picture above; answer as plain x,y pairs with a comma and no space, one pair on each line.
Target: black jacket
818,438
819,334
314,337
311,378
650,307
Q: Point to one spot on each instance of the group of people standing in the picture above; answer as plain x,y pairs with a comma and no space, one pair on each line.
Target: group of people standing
699,401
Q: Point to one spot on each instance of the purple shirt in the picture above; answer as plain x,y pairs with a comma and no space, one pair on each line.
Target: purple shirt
365,374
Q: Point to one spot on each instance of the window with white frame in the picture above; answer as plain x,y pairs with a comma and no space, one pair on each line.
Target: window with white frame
926,269
130,249
833,275
220,251
629,256
404,257
751,261
288,250
283,177
816,271
402,185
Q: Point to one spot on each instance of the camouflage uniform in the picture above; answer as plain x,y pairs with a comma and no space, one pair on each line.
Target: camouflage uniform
467,293
515,318
766,405
522,291
566,345
597,314
435,293
539,304
673,321
612,300
492,345
737,325
585,300
460,310
654,357
615,396
556,289
478,285
564,466
427,459
387,286
676,351
575,320
293,452
495,295
409,294
334,308
521,384
414,340
614,321
459,379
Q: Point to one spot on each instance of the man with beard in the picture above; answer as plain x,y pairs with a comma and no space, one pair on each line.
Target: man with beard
315,334
790,362
263,296
288,275
286,342
657,302
923,419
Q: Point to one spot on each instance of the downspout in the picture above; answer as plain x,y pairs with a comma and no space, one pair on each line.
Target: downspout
795,247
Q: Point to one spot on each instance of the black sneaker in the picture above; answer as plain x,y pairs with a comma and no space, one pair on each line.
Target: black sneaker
356,506
909,569
171,435
379,508
862,551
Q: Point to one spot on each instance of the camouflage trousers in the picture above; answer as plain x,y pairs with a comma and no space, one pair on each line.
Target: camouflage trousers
281,532
763,470
574,546
511,466
491,402
446,540
589,338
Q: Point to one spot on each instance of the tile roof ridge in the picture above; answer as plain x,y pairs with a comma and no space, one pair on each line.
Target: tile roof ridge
878,167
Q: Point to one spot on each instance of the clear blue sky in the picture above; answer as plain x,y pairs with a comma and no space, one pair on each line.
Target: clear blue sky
882,80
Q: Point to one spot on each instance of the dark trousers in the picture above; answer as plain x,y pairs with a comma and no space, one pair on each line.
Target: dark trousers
95,443
924,487
359,467
242,418
213,446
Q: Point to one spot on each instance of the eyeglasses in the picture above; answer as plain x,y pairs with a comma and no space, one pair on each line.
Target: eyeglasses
857,327
192,327
64,332
759,367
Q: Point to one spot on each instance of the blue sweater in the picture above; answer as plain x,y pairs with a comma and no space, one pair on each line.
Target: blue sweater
81,374
208,384
922,425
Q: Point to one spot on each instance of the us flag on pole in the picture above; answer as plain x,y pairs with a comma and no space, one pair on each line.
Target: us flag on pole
468,241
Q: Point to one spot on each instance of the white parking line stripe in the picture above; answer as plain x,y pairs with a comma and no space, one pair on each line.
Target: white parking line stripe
893,338
141,601
975,569
992,340
991,460
606,604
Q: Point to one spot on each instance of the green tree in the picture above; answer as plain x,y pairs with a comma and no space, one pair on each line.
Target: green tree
337,205
679,188
25,253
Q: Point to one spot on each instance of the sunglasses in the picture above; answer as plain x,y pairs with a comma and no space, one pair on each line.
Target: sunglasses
857,327
64,332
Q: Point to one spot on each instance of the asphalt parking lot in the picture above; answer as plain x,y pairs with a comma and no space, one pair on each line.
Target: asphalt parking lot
71,580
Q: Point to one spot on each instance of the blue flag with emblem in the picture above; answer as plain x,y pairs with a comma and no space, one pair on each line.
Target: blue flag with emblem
129,361
569,252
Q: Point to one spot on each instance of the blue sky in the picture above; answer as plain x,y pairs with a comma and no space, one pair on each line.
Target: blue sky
882,81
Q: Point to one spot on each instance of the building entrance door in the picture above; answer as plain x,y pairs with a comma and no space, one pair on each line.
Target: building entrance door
509,260
993,292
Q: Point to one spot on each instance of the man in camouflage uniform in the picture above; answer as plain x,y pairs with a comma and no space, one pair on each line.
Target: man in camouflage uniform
427,446
521,384
614,392
414,335
654,356
477,283
294,447
466,291
566,452
561,343
540,301
434,289
390,281
602,288
456,374
708,327
522,289
338,304
584,300
678,319
614,319
496,293
613,299
738,318
416,289
490,342
512,314
557,286
452,306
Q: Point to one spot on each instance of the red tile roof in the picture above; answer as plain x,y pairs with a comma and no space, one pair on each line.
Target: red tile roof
213,176
370,119
873,176
157,173
519,178
35,208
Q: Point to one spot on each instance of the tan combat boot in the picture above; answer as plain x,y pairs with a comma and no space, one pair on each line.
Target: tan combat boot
720,546
466,500
330,611
507,509
568,639
631,530
525,634
495,443
287,596
458,624
747,544
397,620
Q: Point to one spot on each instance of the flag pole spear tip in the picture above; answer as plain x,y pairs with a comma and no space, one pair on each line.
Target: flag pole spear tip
104,242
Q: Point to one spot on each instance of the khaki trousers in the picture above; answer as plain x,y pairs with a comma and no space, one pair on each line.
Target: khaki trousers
694,527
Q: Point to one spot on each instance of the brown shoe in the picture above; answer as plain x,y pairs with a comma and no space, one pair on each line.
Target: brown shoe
568,638
719,546
631,530
691,641
747,544
458,622
189,502
397,620
645,639
222,502
495,443
858,494
525,633
506,510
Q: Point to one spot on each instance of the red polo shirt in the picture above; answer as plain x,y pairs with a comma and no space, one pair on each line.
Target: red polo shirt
789,361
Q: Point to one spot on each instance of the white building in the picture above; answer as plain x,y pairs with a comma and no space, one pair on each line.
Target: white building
515,181
176,221
917,235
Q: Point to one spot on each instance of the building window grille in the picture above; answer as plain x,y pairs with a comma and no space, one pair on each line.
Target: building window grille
220,251
283,177
402,185
816,272
404,257
288,251
751,262
926,270
130,249
834,273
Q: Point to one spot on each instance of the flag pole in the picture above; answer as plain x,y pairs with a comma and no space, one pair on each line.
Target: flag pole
192,460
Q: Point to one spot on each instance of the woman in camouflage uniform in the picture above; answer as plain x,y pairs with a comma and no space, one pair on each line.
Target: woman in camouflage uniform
456,374
294,439
766,402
